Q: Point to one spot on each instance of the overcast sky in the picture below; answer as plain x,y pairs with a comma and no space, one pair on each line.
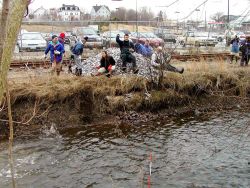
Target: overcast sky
182,6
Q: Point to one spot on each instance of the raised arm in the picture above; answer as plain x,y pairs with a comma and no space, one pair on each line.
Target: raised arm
118,40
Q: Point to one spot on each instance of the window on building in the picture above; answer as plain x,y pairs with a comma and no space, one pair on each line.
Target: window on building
68,8
63,8
66,13
76,13
73,8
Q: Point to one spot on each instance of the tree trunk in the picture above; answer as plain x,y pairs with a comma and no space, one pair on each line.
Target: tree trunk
14,19
3,23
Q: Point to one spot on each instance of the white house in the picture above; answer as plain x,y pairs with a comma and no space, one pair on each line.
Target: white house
40,14
69,12
100,12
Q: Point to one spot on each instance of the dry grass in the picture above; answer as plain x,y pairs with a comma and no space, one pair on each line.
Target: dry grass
120,92
46,28
128,27
58,29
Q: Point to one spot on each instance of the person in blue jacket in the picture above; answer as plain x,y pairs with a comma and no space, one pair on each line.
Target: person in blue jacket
77,52
145,50
235,48
56,50
148,48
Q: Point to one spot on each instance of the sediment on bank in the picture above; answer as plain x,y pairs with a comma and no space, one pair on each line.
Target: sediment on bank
68,100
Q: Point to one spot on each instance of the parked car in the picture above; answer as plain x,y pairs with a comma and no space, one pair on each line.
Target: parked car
165,35
197,39
154,41
125,31
48,37
94,40
109,38
217,36
31,41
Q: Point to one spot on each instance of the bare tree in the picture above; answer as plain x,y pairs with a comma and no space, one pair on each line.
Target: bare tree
217,17
4,16
121,13
14,19
131,15
145,14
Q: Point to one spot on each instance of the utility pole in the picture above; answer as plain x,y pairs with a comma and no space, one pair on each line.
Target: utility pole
205,20
137,20
228,19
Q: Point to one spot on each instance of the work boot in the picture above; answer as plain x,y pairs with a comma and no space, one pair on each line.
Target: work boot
124,69
135,71
108,75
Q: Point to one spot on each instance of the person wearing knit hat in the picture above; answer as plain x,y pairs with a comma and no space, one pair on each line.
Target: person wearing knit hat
77,51
56,50
61,38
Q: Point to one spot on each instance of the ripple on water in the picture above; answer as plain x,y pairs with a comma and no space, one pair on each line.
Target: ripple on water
190,152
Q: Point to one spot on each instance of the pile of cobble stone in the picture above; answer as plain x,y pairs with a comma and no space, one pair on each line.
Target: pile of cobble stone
90,65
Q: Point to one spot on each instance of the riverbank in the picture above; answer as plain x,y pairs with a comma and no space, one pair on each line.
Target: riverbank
68,100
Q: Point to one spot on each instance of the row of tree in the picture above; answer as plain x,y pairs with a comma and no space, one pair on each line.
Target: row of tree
123,14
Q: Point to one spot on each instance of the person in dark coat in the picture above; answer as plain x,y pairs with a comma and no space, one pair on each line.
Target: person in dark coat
245,51
77,52
56,50
126,48
107,65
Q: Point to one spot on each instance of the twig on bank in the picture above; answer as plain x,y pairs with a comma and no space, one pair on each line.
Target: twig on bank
3,105
11,137
34,115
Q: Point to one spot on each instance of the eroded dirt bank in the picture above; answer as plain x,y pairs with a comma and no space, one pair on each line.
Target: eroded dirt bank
71,101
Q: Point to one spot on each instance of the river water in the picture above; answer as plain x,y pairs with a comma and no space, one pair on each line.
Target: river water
208,151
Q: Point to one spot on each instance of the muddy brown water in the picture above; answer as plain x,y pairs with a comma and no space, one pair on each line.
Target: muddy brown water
209,150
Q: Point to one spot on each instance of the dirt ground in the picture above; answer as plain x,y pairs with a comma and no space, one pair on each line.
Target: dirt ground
69,100
58,29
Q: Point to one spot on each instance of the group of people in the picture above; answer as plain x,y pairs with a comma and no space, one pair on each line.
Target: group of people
127,47
240,46
57,51
107,62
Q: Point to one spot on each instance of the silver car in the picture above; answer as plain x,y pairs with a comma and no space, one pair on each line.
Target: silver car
31,41
109,38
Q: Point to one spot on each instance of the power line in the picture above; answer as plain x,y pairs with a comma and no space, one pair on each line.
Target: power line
194,10
166,6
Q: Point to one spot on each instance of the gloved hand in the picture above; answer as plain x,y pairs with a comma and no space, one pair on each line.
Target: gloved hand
45,56
56,52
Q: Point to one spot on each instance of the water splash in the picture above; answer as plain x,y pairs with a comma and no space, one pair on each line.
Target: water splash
51,131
